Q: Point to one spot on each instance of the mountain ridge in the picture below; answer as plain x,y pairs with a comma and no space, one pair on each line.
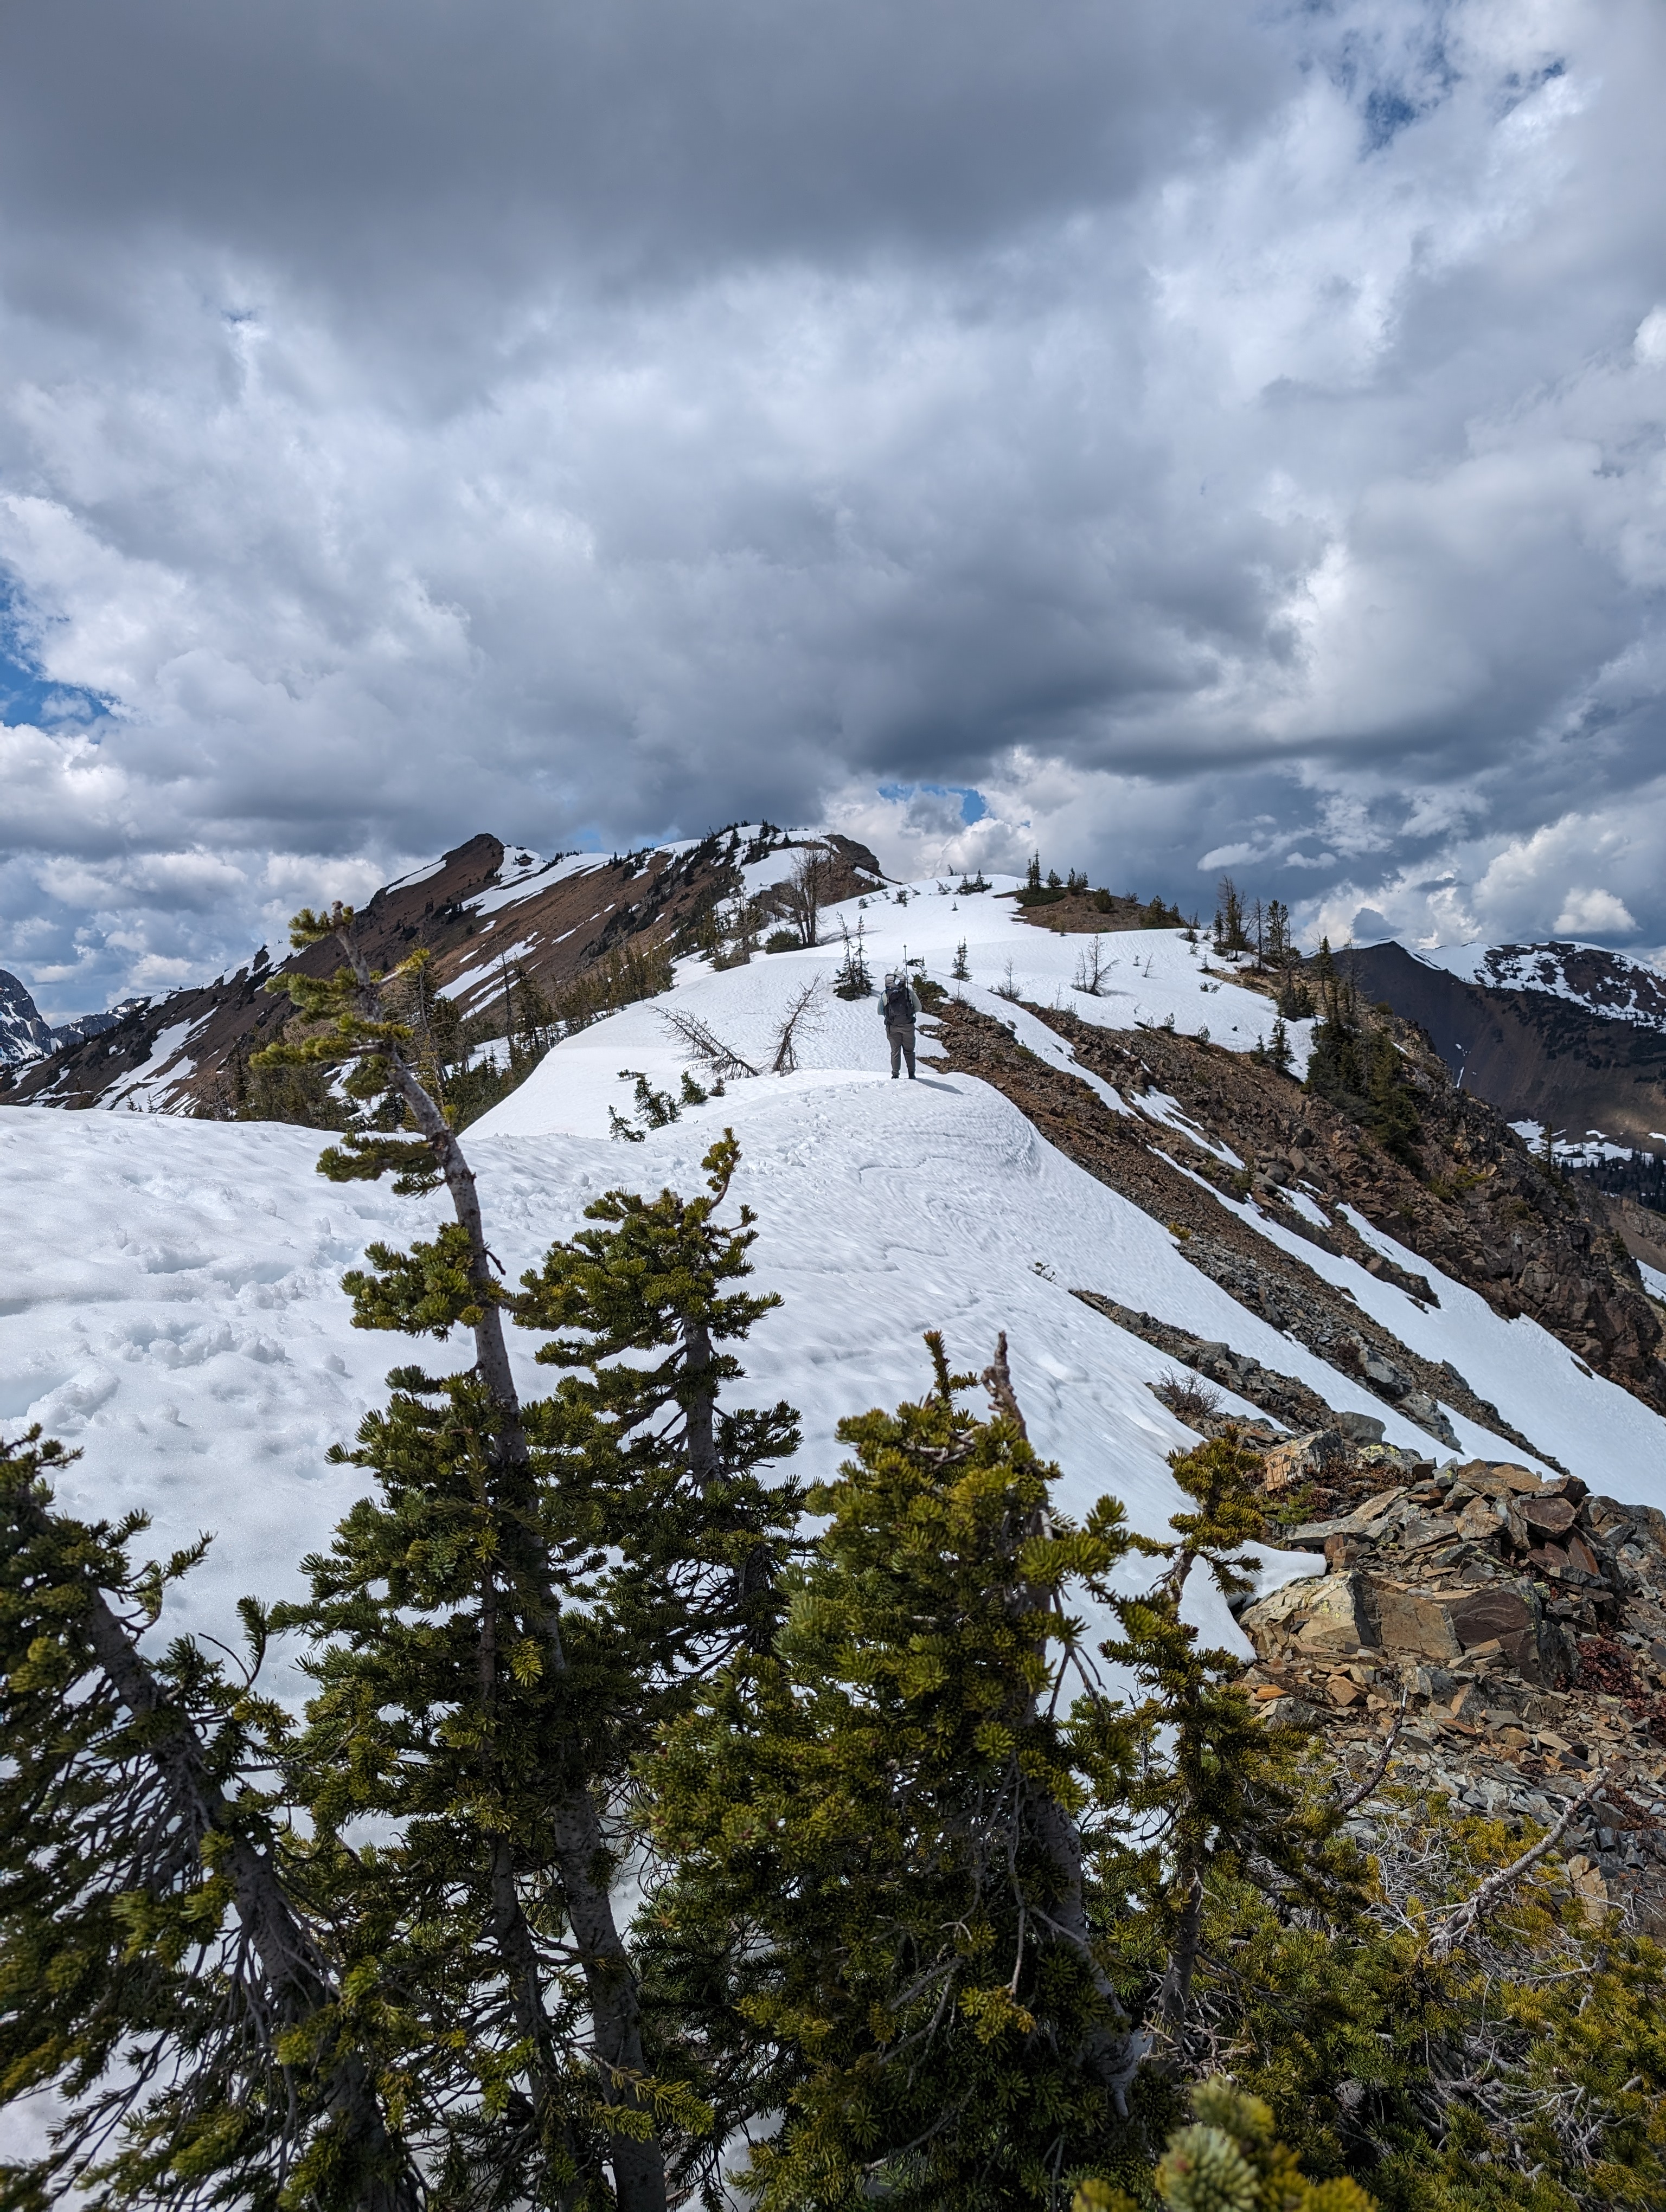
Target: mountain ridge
1570,1035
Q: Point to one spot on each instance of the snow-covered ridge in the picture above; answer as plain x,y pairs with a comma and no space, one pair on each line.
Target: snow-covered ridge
173,1305
1590,976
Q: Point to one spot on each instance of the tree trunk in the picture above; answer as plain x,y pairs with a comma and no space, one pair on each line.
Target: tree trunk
639,2171
299,1975
1113,2051
638,2168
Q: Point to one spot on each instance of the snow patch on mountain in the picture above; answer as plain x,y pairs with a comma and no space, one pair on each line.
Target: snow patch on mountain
1591,975
23,1033
173,1304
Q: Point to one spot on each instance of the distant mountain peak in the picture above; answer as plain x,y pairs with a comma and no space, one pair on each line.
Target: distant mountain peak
23,1033
1609,984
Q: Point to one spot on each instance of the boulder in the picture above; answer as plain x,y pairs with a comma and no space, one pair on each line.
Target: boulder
1498,1478
1302,1456
1338,1614
1546,1516
1443,1625
1320,1616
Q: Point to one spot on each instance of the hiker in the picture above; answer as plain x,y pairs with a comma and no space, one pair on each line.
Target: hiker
896,1006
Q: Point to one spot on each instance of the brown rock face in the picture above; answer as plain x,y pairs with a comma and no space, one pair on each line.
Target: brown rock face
1552,1516
1484,1211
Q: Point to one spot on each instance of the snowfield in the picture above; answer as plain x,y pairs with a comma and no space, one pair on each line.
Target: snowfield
173,1305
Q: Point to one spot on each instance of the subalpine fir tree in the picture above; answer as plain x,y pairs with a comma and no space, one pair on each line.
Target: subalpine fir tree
460,1450
163,1970
881,1910
492,1650
1214,1790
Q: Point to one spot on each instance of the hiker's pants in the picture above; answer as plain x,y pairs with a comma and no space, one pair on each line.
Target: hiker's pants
901,1047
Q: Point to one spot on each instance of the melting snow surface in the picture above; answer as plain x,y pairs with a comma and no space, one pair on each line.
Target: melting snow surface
173,1305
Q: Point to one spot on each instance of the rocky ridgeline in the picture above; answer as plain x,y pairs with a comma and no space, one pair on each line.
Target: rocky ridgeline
1515,1628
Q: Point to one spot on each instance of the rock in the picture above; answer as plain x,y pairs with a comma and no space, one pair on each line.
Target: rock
1589,1887
1311,1534
1549,1516
1423,1529
1479,1521
1320,1616
1362,1428
1302,1456
1568,1486
1497,1479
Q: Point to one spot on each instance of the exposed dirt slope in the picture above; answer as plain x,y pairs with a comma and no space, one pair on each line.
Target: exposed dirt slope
1135,1156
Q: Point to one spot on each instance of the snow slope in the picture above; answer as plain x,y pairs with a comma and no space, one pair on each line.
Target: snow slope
172,1304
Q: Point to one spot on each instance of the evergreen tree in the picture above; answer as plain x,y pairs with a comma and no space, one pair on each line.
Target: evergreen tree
1362,1073
479,1448
494,1643
852,979
160,1969
1214,1792
961,970
1393,1119
1278,943
876,1842
1033,874
915,1901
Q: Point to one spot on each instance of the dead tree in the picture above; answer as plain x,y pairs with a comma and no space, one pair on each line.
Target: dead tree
801,1019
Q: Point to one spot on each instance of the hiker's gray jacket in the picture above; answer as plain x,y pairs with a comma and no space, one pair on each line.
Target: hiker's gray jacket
903,1019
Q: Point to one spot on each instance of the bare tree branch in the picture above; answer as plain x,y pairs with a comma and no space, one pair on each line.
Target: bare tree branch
1359,1796
799,1015
1461,1921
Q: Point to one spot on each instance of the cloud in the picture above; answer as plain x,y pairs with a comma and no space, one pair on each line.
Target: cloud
1599,914
1201,432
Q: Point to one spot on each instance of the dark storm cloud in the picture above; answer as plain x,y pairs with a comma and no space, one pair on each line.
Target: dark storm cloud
1221,438
385,142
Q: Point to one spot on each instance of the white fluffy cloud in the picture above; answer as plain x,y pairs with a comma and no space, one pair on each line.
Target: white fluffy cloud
1214,440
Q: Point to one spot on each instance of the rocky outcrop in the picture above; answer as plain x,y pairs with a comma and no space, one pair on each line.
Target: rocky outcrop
1514,1634
1484,1211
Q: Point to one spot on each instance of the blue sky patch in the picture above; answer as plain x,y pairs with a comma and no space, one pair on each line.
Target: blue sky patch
973,805
26,693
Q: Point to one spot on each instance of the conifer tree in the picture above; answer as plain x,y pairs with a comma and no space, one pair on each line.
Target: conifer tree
491,1654
879,1838
481,1448
1215,1789
160,1968
1279,946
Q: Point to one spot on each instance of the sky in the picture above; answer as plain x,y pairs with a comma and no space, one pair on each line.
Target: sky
1172,435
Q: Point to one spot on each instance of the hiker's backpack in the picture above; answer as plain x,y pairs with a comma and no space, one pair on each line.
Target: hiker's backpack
899,1006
